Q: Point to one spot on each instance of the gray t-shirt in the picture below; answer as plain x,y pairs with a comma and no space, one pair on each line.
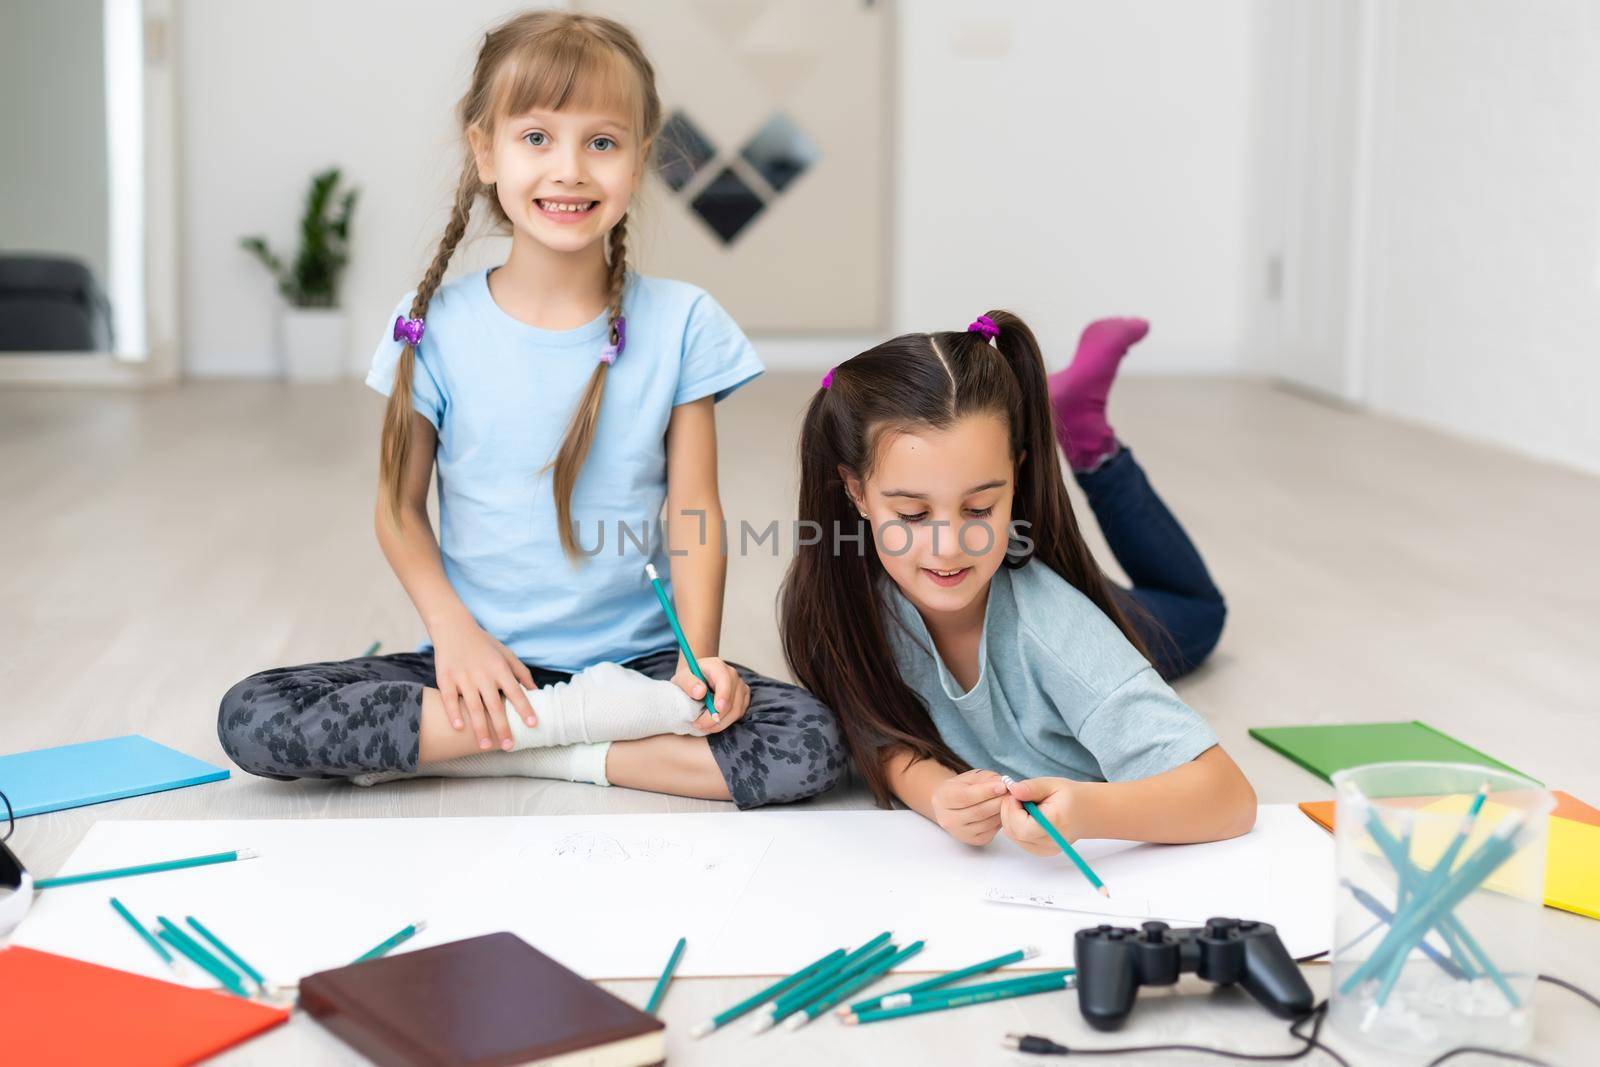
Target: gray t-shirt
1060,691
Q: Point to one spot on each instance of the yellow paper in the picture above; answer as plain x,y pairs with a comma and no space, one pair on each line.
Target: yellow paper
1572,853
1572,868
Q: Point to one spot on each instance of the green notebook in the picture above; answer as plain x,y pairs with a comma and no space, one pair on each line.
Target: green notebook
1325,749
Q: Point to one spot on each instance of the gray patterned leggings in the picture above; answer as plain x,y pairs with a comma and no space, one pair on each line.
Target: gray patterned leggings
334,720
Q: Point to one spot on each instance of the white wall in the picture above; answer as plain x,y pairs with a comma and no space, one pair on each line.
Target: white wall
1485,271
273,92
1067,160
1070,160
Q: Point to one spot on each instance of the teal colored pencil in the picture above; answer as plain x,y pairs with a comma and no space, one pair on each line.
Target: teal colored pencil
1427,911
945,979
957,999
1049,979
172,935
755,1000
147,868
666,976
372,649
144,935
233,957
820,990
1414,886
826,978
399,937
1449,927
864,978
1066,849
683,642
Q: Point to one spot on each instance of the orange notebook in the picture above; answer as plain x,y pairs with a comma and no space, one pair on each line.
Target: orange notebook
65,1011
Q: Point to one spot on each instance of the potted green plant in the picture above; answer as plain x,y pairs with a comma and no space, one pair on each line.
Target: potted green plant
313,325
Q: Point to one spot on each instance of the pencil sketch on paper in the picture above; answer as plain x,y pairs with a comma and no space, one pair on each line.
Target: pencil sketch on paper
589,846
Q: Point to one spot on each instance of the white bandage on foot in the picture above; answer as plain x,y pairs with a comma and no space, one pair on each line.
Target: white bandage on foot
573,763
607,702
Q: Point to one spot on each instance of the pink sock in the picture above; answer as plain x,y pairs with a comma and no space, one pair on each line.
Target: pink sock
1078,393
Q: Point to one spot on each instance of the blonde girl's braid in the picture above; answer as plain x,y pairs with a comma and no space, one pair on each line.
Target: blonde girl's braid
619,271
580,432
397,421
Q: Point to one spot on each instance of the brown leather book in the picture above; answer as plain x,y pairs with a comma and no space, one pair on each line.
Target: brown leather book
492,1000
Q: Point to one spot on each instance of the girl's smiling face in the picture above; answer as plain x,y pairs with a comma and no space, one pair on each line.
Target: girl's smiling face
939,502
564,177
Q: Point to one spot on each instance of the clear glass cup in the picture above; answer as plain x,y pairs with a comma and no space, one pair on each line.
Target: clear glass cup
1413,858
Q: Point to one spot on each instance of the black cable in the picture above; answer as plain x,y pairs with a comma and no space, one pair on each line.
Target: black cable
1570,988
11,818
1515,1057
1043,1046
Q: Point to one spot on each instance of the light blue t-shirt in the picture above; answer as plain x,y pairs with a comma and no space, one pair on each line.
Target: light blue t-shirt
1060,691
501,393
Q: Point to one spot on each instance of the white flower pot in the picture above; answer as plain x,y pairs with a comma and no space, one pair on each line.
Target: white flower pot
313,344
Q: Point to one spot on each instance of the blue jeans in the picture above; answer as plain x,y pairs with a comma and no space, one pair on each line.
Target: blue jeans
1176,608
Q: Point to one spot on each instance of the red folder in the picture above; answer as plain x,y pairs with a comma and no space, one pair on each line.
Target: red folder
67,1012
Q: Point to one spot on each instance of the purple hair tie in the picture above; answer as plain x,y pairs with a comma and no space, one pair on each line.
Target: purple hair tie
610,352
985,325
827,379
408,330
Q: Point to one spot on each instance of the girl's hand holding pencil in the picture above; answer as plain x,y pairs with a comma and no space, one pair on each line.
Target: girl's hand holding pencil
1054,797
1027,802
728,696
472,671
729,692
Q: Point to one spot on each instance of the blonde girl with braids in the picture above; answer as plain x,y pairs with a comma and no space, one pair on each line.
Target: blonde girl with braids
967,635
562,401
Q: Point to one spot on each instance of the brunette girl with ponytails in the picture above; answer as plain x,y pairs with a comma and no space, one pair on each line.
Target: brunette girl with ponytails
957,623
564,399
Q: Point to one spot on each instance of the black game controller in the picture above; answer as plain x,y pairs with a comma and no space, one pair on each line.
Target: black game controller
1113,961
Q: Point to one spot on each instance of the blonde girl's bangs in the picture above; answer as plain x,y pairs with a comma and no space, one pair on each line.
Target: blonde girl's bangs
569,70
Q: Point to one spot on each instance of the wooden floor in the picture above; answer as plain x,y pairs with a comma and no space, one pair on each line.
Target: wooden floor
161,545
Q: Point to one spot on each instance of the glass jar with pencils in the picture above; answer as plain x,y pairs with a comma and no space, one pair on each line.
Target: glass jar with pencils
1441,877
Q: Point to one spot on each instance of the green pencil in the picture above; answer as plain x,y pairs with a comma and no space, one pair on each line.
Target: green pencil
766,995
683,642
191,948
864,978
666,976
825,977
945,979
1425,912
145,935
233,957
372,649
930,996
400,937
147,868
957,999
1066,849
813,992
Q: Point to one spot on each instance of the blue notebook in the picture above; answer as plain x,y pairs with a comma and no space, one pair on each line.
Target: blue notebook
50,779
